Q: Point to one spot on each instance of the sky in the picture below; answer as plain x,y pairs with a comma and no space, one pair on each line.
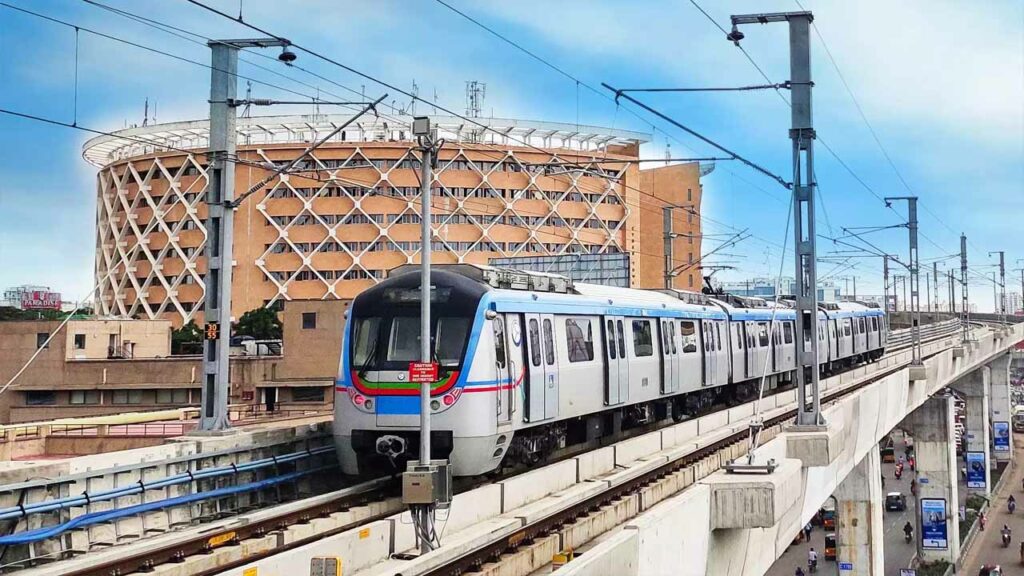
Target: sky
922,98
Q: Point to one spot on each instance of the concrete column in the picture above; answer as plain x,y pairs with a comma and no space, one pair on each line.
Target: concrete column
931,425
975,388
1001,407
859,519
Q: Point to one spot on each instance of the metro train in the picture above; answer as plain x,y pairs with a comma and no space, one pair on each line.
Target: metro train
530,363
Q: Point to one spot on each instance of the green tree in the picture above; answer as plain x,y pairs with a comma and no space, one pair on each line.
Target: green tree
261,324
183,339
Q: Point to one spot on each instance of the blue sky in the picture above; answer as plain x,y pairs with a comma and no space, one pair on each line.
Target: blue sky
942,84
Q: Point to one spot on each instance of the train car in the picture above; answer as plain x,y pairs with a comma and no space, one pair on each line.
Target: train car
530,363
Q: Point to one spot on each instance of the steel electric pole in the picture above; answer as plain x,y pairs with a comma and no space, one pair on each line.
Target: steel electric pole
220,193
915,279
802,134
965,308
1001,304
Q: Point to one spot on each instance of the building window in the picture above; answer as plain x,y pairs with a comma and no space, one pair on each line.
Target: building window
689,194
41,339
126,397
308,394
85,397
178,396
40,397
309,320
79,341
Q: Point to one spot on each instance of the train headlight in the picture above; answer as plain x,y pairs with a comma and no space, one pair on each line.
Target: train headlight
368,404
434,405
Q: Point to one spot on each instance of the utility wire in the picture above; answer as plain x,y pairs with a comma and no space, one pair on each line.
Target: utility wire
361,74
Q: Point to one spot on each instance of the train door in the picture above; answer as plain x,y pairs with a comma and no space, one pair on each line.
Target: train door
776,346
617,380
508,342
535,371
550,366
739,369
669,357
833,339
722,367
708,346
750,351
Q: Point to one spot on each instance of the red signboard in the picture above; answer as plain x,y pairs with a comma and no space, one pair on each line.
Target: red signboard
40,300
423,372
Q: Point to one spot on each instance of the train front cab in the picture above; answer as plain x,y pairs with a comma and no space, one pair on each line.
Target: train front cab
377,408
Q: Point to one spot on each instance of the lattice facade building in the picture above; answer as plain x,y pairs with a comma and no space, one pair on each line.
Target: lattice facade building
351,213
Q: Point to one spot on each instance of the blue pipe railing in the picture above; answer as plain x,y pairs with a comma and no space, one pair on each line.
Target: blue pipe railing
86,498
30,536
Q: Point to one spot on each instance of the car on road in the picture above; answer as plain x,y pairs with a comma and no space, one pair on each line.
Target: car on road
895,502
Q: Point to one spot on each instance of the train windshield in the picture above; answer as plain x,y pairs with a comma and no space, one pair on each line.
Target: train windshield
392,342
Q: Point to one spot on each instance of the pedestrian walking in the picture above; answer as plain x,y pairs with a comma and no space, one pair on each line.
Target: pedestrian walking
807,532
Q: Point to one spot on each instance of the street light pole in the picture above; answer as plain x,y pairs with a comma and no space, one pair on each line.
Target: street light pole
220,191
803,135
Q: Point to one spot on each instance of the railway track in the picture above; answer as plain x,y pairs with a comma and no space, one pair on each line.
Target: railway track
488,558
273,530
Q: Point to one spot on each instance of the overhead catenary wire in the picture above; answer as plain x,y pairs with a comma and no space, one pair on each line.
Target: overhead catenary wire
162,26
143,140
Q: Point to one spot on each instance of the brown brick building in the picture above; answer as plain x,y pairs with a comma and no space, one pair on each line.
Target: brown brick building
351,215
78,374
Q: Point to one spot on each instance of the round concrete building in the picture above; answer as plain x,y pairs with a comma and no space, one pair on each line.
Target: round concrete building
349,212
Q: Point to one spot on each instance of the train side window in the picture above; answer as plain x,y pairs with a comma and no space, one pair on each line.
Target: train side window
762,334
499,342
750,336
672,337
874,324
718,334
579,338
709,344
549,343
846,327
787,332
664,339
534,342
739,335
622,339
861,322
643,344
689,336
611,339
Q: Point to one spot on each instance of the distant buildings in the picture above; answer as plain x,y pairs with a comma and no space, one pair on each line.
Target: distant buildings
31,297
765,288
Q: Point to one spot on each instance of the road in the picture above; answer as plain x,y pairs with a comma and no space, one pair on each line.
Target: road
989,548
897,552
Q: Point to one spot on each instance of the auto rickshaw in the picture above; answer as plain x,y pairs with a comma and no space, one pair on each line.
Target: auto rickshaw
828,516
887,450
830,547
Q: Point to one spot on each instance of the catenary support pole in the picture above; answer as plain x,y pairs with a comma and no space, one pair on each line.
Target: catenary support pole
802,134
667,230
915,277
965,308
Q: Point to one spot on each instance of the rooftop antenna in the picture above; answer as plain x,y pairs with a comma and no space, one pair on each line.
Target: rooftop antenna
668,152
475,93
316,103
435,100
145,113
